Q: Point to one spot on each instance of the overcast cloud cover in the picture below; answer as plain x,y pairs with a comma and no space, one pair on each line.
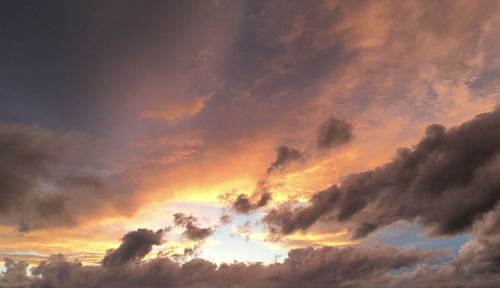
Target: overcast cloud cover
318,123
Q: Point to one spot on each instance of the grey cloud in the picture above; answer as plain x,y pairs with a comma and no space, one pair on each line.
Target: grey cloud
284,156
286,219
333,133
50,179
307,267
135,245
245,204
481,255
45,177
477,263
446,182
192,230
15,274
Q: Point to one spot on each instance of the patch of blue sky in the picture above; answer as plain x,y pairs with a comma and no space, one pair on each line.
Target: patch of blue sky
225,246
406,235
236,247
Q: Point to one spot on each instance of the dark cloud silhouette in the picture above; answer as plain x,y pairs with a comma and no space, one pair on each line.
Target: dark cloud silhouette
245,204
333,133
135,245
192,230
307,267
284,156
445,182
286,219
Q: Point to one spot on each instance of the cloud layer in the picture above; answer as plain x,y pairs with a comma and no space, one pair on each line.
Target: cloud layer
346,267
446,182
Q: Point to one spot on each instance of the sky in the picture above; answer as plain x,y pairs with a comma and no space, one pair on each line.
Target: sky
214,143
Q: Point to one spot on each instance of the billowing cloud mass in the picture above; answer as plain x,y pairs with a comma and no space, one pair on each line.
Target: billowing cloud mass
308,267
192,230
446,182
477,263
15,274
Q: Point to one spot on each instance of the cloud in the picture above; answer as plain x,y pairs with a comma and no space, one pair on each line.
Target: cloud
286,219
135,245
306,267
477,263
245,204
333,133
15,274
192,230
49,179
284,156
178,111
435,183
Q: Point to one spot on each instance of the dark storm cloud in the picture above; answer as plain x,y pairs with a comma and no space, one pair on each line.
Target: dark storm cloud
333,133
135,245
445,182
192,230
325,267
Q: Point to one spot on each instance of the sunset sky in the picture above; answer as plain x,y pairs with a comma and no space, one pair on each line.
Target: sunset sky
302,143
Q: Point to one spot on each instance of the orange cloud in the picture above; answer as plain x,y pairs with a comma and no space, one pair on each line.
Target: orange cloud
177,111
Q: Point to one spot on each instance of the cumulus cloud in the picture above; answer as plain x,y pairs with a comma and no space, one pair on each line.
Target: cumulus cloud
475,265
307,267
446,182
192,230
15,274
333,133
135,245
